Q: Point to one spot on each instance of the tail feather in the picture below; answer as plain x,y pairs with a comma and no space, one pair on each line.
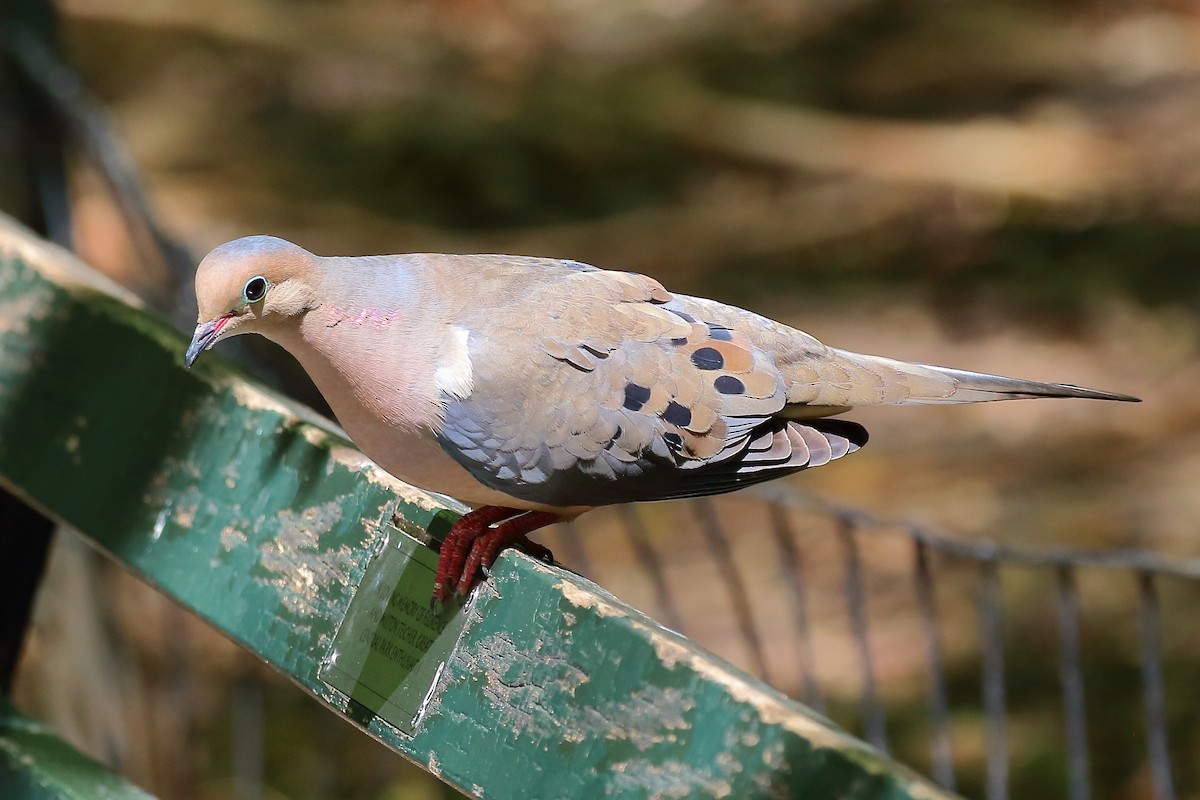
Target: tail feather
978,387
837,380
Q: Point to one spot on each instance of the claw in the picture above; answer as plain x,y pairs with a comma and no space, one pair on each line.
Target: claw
536,551
472,545
437,602
460,541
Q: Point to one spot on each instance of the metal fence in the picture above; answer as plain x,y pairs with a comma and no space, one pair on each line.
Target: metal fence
918,561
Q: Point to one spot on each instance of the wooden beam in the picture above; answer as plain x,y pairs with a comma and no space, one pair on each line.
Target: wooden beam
264,520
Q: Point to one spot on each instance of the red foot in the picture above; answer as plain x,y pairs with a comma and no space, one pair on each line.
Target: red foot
470,545
458,542
488,546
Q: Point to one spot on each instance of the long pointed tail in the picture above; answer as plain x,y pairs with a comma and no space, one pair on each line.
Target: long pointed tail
978,387
842,379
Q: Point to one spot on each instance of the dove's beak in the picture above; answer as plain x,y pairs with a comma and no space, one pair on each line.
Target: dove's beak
206,333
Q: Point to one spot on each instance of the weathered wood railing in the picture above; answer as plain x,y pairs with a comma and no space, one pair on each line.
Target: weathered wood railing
261,518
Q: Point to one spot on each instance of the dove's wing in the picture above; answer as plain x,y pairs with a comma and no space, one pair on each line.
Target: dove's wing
823,380
593,387
601,387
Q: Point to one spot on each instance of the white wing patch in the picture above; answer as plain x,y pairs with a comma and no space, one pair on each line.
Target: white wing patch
453,372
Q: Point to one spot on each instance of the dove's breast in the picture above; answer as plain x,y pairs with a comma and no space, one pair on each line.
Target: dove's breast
386,402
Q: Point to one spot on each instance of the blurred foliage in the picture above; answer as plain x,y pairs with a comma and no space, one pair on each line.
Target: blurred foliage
512,124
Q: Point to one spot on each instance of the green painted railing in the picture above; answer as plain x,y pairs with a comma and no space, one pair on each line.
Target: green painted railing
37,765
265,521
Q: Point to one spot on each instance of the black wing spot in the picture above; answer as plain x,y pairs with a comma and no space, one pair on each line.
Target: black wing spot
683,315
727,384
720,333
609,444
677,415
674,441
679,341
636,396
708,358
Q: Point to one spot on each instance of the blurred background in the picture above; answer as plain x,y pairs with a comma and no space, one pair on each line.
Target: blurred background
1010,187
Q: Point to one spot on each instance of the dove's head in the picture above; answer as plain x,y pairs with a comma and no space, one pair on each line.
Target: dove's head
251,285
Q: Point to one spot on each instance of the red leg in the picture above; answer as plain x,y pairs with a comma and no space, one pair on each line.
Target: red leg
488,546
459,541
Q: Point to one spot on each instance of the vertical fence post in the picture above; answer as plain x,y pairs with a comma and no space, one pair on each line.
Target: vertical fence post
718,544
648,558
1071,673
990,635
1152,687
940,753
874,719
793,575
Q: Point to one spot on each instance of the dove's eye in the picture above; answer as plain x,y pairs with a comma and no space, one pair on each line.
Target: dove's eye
255,289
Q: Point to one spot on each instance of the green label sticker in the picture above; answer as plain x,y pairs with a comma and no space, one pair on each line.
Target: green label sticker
391,647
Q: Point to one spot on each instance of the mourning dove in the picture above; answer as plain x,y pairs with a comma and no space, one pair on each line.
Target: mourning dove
535,389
